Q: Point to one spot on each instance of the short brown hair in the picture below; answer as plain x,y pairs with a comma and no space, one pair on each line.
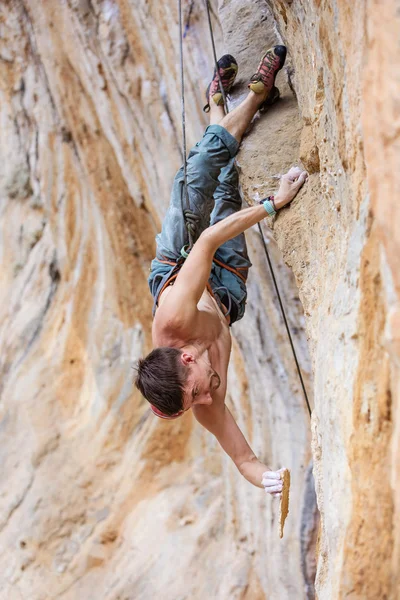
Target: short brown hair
161,378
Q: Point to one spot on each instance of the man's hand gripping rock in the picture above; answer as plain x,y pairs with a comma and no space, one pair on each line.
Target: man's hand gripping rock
290,184
272,482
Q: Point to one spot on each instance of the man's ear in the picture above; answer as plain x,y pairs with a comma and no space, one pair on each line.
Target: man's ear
187,358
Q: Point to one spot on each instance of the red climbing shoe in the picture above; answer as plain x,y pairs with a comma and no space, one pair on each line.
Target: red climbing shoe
272,62
228,68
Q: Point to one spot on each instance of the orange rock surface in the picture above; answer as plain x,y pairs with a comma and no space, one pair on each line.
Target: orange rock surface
100,500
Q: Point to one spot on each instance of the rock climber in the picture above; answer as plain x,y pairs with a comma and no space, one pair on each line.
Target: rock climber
200,294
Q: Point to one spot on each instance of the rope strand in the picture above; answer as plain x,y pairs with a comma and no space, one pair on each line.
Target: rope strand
185,186
206,2
285,319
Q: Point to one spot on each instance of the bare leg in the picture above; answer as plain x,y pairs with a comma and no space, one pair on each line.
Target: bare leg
237,121
217,113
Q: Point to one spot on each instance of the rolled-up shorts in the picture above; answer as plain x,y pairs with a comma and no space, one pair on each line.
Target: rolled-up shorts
213,190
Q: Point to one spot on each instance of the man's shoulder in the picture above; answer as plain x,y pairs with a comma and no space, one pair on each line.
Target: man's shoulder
187,322
164,331
171,327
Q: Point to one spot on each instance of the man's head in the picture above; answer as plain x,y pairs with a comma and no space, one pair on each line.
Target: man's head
173,381
161,379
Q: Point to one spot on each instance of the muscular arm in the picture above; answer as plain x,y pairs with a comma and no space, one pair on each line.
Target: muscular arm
219,421
193,276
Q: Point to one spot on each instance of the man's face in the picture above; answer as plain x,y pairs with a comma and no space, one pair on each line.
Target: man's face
200,385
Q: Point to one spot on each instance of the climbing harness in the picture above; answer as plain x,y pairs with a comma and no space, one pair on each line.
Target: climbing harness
190,217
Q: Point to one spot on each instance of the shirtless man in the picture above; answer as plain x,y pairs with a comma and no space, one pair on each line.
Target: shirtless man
198,296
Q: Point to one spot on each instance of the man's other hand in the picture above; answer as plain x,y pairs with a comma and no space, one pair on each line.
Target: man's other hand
272,482
290,184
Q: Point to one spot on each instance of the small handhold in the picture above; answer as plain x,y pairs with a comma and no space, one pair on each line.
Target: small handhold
187,520
284,504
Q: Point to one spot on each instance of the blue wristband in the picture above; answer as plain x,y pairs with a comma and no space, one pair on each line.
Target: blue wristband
183,251
267,204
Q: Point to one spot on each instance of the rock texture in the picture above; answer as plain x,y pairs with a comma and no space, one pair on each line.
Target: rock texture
347,91
99,499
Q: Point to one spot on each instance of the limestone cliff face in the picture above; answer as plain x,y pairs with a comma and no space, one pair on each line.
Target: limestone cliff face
99,499
347,96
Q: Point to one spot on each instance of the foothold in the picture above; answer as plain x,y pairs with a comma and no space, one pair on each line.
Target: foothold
284,505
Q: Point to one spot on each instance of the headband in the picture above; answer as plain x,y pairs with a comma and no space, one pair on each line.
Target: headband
160,414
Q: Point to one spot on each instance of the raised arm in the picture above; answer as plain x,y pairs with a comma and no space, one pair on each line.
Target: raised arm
235,224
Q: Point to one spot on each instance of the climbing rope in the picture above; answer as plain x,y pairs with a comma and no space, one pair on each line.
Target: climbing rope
206,2
221,87
285,320
190,223
191,219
